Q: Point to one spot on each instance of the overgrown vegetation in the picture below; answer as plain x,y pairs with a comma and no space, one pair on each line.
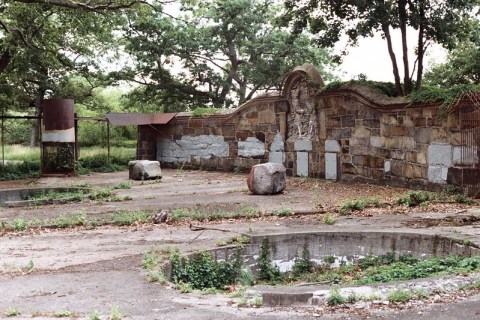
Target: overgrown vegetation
76,219
94,159
211,215
201,271
348,206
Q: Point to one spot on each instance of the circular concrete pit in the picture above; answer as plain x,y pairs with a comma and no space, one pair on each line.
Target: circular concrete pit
20,197
346,247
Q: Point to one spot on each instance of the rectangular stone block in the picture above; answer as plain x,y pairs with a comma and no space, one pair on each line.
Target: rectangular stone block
277,157
302,164
303,145
440,155
331,166
332,146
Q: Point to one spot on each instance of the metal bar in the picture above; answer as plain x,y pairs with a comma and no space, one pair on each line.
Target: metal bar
108,142
3,142
91,118
19,117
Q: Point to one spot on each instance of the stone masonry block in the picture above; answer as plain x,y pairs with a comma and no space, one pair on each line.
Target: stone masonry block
440,155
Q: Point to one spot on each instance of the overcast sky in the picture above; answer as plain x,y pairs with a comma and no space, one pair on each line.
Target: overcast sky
371,57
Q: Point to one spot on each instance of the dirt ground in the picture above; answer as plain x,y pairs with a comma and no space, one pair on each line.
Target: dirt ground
83,270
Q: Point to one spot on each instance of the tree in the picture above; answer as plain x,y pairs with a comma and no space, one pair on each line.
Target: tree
227,50
462,66
443,21
42,43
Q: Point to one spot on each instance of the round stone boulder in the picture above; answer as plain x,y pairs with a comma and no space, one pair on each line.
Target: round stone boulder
267,178
144,169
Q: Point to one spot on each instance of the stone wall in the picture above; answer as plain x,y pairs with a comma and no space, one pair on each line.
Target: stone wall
406,146
342,134
239,139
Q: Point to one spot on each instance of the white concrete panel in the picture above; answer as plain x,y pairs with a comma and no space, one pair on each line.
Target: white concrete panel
302,164
332,146
331,166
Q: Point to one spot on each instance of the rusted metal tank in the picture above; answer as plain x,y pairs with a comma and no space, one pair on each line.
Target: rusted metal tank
58,137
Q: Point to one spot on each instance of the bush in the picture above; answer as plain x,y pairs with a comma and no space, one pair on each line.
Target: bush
414,198
15,171
201,271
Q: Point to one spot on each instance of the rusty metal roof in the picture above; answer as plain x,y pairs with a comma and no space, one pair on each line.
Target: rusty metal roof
135,119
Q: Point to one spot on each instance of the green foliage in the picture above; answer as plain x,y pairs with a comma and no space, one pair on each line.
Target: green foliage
447,96
400,295
64,314
348,206
152,261
201,271
208,215
462,66
302,265
414,198
67,221
20,171
12,312
115,313
283,212
202,112
329,219
95,315
443,22
335,298
267,270
387,88
126,218
201,43
123,185
20,224
463,198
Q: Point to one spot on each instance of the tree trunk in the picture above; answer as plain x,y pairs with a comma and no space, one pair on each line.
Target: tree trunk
407,81
35,135
396,75
421,48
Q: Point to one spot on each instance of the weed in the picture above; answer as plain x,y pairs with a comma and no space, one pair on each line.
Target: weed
30,266
152,261
64,314
463,198
400,295
420,293
115,313
95,315
184,287
352,297
202,112
239,169
284,212
329,259
123,185
467,242
76,219
20,224
12,312
126,218
335,298
329,219
414,198
221,243
348,206
302,265
202,271
268,271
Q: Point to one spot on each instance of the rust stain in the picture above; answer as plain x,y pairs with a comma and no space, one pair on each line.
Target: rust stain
128,119
58,114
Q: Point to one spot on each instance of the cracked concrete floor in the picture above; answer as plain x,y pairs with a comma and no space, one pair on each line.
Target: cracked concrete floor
86,270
